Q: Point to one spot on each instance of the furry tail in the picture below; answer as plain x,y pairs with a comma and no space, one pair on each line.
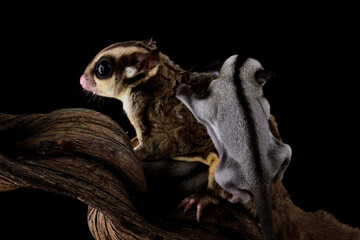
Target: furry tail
264,210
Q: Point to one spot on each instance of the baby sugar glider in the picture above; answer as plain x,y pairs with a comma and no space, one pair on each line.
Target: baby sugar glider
236,115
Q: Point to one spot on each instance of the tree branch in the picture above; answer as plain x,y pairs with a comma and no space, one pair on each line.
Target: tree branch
85,155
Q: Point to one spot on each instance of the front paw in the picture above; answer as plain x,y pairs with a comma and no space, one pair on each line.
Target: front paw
140,152
183,90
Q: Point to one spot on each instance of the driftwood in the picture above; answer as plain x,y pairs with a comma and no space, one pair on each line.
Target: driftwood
85,155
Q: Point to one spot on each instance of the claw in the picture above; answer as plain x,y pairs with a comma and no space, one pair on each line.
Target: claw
199,211
184,202
189,205
200,200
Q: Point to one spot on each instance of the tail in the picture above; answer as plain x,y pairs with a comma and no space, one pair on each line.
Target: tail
264,210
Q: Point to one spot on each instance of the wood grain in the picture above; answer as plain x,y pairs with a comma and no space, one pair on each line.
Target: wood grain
85,155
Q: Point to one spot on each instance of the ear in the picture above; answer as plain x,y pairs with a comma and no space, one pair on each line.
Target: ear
261,76
147,61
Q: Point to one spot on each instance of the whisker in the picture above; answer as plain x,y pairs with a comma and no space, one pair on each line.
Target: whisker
92,98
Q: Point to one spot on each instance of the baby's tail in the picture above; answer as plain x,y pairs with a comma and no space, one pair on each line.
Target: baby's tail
263,207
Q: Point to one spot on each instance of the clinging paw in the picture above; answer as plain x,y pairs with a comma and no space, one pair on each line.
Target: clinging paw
141,153
201,200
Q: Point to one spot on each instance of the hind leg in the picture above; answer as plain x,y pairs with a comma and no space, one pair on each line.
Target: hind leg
213,192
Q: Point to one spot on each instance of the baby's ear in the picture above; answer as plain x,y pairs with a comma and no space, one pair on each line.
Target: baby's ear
262,75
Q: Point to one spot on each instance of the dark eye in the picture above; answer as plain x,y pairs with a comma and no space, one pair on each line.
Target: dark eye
104,68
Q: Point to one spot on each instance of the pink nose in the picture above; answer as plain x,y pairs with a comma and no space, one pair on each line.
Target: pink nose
83,81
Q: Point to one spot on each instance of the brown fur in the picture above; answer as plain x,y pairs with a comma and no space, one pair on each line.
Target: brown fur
168,129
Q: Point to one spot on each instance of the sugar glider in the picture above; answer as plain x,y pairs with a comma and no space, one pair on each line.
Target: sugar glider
236,115
145,81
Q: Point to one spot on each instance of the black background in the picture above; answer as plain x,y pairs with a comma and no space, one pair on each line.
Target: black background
313,51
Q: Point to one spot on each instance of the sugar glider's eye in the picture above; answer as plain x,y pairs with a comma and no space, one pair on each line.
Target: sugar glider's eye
104,68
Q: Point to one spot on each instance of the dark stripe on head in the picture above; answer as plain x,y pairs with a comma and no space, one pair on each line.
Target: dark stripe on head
248,115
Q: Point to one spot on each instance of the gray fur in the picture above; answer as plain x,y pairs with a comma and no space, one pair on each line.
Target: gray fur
241,172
